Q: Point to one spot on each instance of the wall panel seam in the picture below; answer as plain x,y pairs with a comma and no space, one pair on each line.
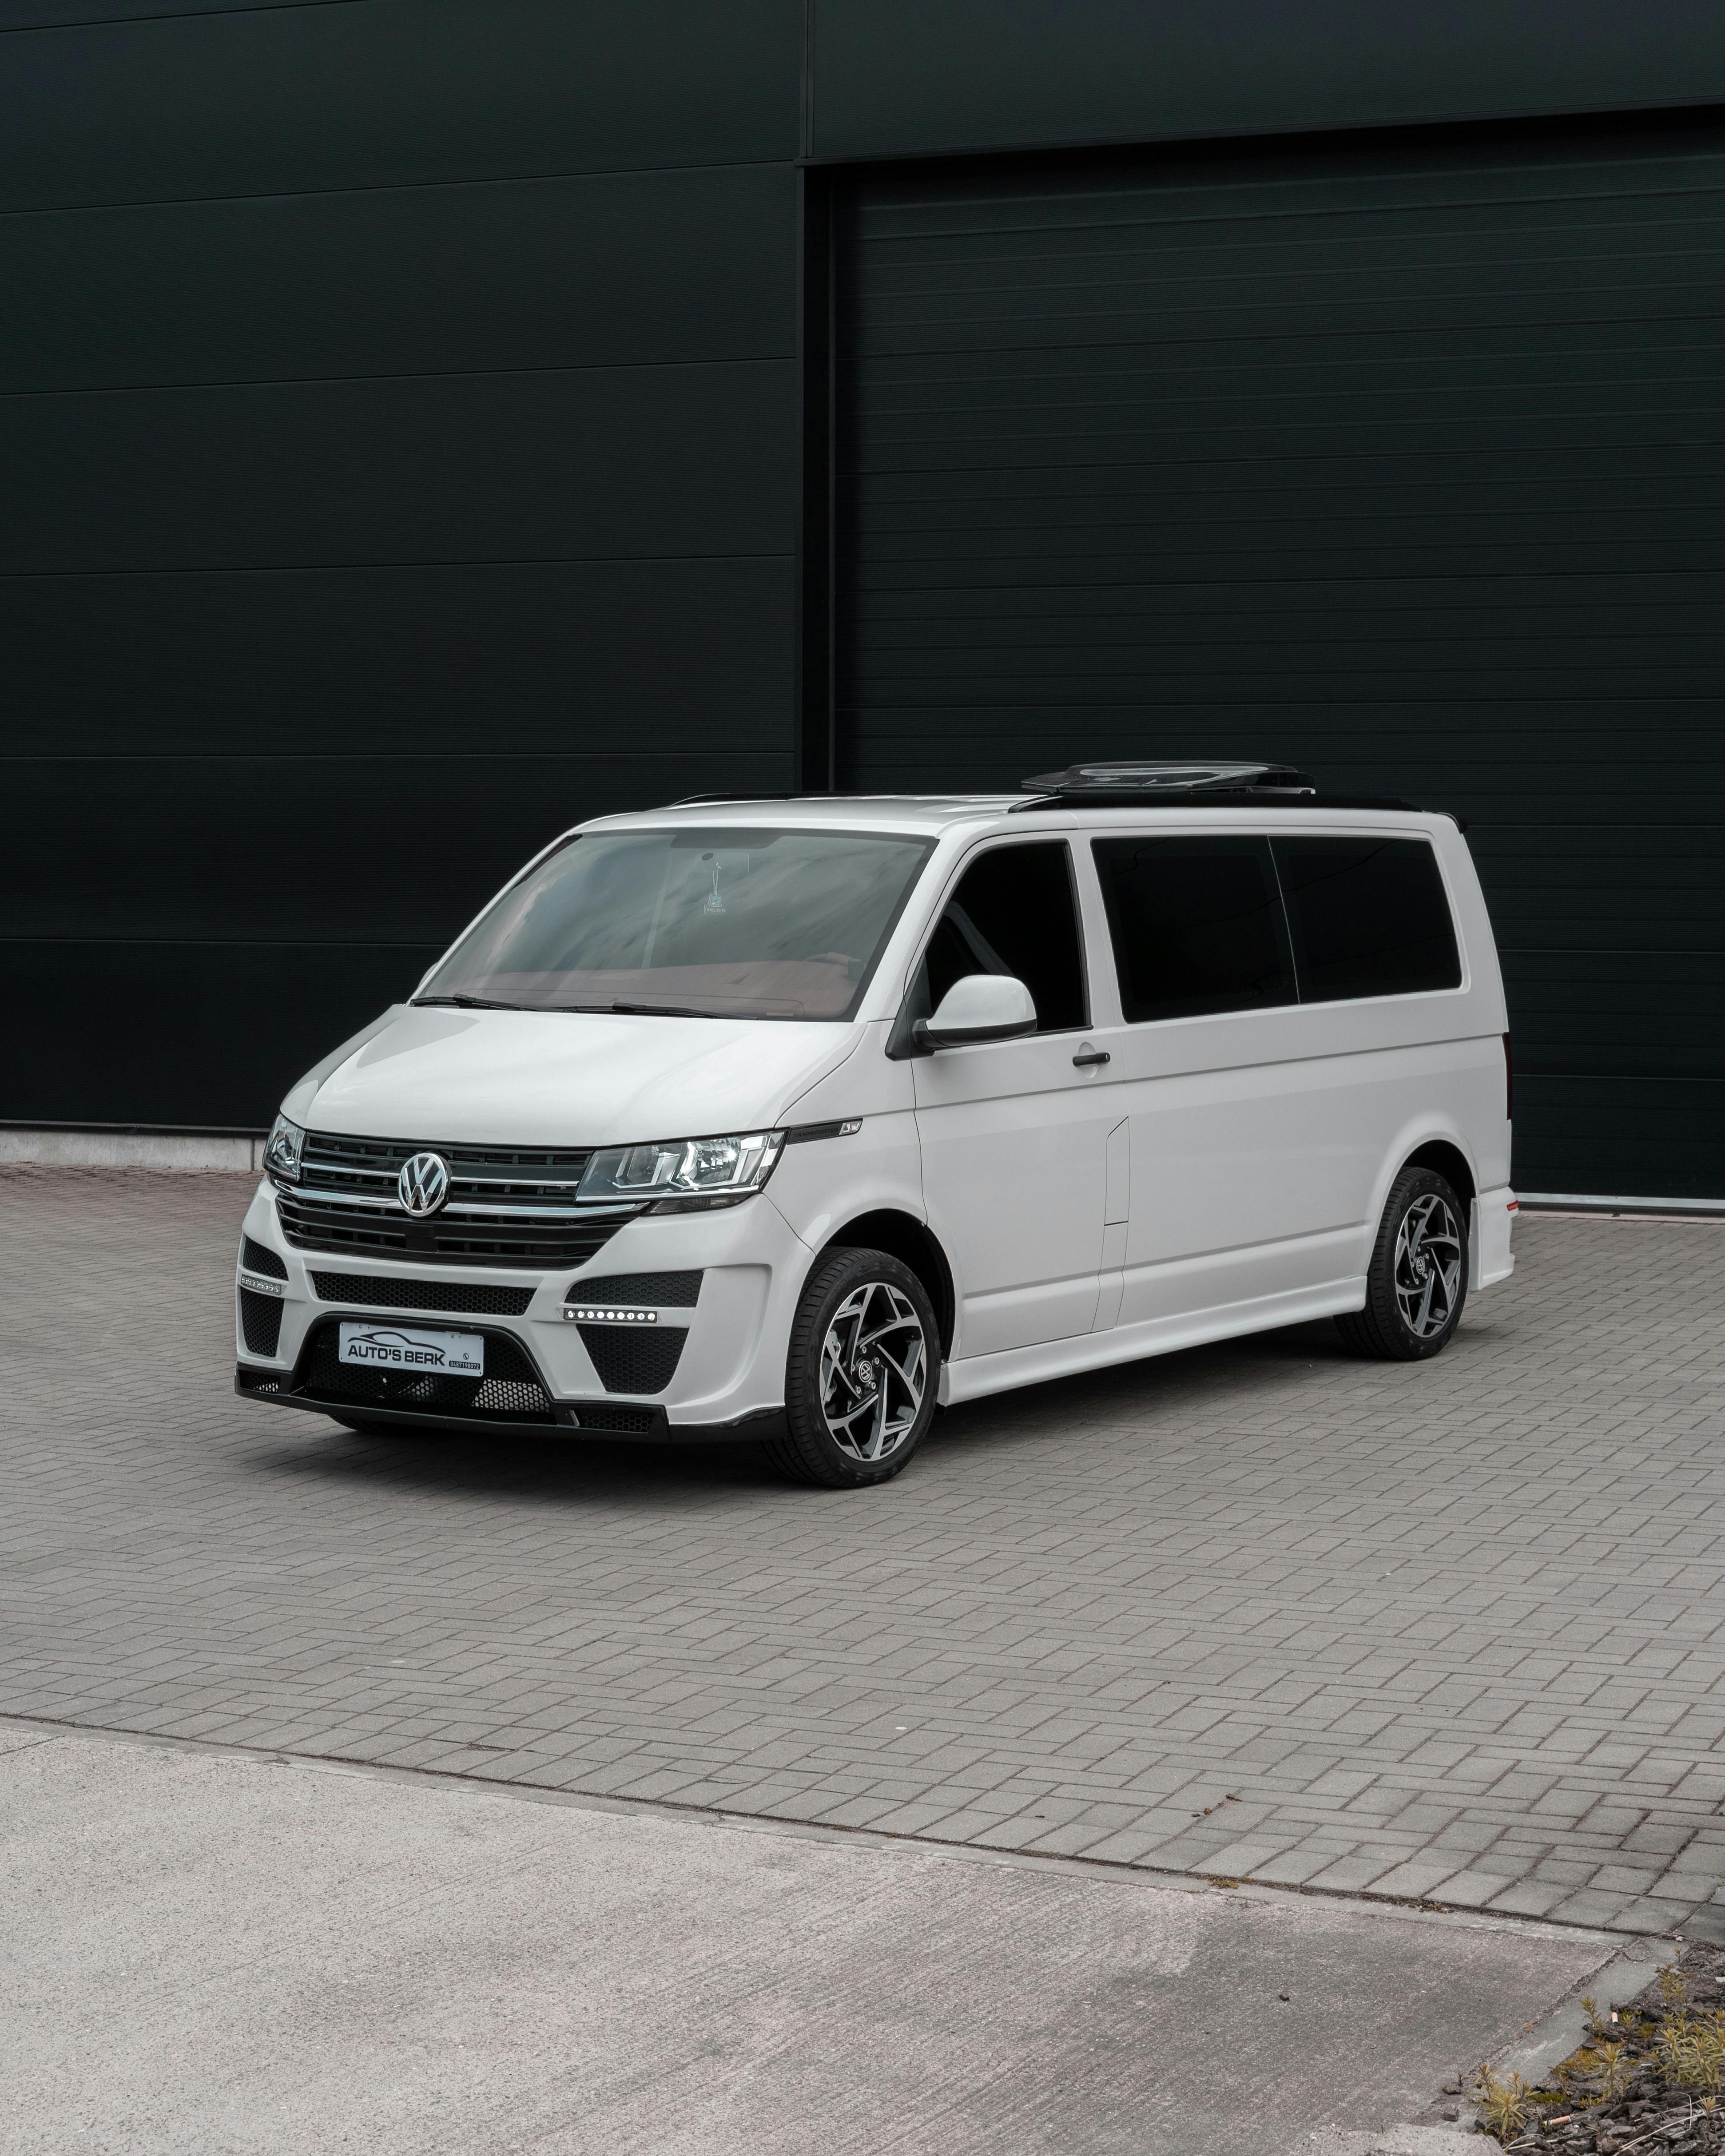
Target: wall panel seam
446,374
170,15
380,568
119,206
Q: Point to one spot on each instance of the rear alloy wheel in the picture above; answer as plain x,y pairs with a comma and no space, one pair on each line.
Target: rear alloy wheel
861,1374
1417,1280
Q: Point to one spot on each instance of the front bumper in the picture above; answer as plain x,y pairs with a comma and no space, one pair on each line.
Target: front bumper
601,1421
728,1380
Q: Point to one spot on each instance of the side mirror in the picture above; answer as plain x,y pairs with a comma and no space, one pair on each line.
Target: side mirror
981,1006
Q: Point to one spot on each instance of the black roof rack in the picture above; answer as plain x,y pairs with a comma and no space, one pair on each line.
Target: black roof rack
1140,780
1142,783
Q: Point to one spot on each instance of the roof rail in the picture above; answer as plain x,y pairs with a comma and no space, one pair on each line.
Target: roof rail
700,800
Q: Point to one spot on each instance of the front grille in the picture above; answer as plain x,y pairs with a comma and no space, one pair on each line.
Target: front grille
509,1391
657,1291
259,1321
378,1291
256,1259
507,1205
257,1381
631,1361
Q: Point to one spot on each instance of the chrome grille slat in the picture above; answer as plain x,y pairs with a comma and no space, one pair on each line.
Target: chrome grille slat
507,1206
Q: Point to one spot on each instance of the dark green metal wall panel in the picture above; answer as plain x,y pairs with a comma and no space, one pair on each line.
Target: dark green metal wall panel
536,466
389,281
295,849
245,1011
390,93
1405,462
400,417
914,78
425,659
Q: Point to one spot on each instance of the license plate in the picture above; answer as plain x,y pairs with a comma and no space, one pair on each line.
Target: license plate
388,1346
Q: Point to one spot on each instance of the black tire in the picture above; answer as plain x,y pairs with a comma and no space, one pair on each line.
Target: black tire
1417,1280
848,1423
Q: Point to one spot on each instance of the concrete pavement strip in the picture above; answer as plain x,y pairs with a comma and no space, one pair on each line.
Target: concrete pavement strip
222,1952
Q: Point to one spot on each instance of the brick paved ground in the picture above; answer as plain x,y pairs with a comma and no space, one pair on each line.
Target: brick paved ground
1455,1632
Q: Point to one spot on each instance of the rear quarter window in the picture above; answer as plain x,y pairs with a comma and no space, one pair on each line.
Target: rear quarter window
1368,916
1196,923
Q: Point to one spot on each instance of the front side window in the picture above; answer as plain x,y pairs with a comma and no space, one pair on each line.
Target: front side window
1369,917
1197,925
1014,913
755,924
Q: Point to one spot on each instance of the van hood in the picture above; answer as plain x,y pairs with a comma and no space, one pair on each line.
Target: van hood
548,1078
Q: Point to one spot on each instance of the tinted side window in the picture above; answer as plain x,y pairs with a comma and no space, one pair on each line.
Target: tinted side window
1369,916
1197,925
1013,912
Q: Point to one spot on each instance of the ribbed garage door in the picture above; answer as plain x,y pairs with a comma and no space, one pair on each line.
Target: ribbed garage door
1403,464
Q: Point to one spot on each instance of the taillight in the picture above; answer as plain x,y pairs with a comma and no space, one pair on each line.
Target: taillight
1509,1083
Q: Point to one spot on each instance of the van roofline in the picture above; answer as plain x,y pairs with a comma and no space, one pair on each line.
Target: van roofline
934,813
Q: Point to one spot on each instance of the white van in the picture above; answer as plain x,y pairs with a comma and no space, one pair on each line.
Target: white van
791,1119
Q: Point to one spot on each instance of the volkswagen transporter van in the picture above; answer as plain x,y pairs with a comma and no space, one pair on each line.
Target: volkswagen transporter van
789,1120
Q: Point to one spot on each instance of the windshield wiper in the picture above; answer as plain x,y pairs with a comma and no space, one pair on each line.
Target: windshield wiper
667,1010
471,1002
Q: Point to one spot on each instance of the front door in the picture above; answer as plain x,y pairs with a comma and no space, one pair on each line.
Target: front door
1014,1132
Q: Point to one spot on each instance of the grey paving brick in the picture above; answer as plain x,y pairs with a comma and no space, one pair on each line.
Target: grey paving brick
1294,1867
1351,1875
1528,1897
1456,1622
1599,1911
1648,1917
1475,1887
1417,1878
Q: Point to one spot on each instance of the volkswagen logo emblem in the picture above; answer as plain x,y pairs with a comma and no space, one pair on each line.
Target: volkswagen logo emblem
423,1183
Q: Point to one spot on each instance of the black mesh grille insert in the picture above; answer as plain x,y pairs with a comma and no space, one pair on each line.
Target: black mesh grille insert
509,1391
257,1260
665,1291
379,1292
634,1359
259,1321
258,1381
518,1240
628,1421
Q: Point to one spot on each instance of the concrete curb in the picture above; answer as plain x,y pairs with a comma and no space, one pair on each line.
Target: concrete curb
1554,2039
164,1153
1540,2048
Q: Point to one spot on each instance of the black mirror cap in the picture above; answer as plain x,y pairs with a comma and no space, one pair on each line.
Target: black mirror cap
927,1041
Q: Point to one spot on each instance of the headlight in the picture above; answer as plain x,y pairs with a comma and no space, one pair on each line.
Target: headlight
282,1155
683,1175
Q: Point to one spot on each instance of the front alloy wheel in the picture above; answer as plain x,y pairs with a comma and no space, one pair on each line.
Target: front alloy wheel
861,1375
874,1371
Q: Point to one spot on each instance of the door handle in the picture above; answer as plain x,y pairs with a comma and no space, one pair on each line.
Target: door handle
1091,1055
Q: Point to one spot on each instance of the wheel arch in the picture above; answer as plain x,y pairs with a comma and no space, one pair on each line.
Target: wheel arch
1444,1158
903,1236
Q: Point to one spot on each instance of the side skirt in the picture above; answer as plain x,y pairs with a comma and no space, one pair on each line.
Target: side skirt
979,1375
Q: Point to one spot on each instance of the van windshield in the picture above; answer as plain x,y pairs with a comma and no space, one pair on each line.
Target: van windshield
698,923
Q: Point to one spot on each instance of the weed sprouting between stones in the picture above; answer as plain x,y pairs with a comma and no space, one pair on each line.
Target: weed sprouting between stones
1648,2077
